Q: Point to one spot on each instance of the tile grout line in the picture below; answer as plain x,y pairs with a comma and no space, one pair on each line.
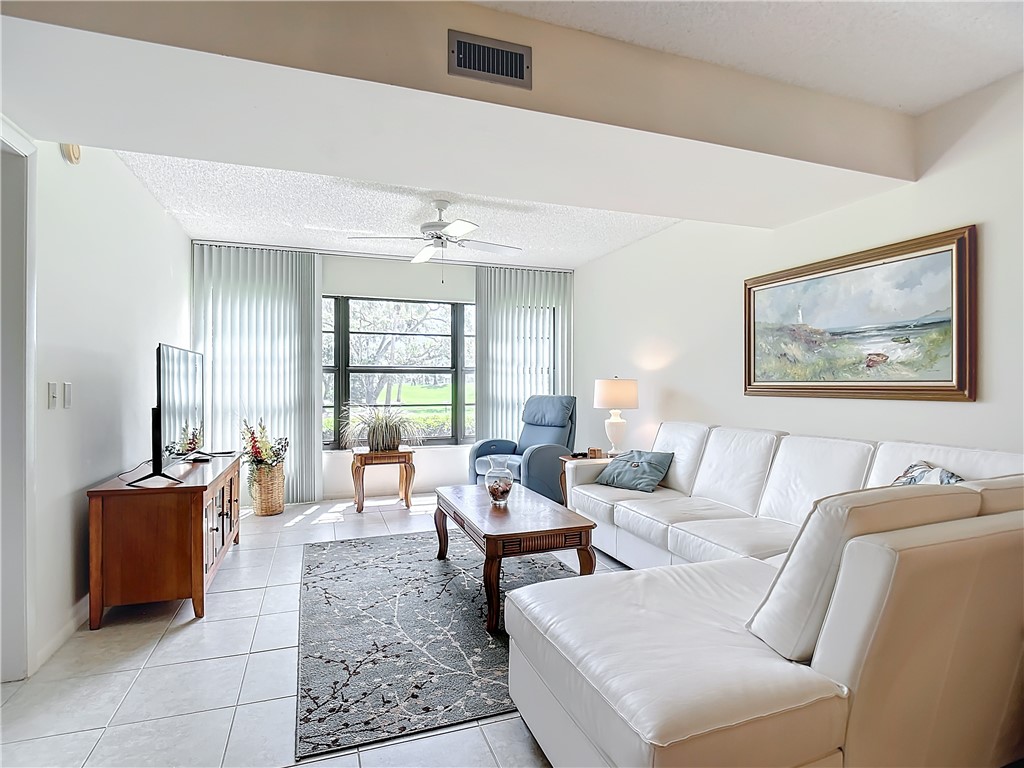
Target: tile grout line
490,747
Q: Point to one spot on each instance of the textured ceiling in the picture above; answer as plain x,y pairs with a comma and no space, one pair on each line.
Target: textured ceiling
218,201
907,56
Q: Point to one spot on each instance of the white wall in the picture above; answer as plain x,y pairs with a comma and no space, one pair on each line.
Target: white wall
669,309
394,279
397,279
112,282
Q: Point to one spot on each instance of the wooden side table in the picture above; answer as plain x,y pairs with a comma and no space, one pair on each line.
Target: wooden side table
561,477
361,459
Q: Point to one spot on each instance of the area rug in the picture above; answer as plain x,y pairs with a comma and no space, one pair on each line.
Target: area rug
392,640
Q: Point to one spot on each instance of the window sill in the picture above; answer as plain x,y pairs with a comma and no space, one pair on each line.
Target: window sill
416,448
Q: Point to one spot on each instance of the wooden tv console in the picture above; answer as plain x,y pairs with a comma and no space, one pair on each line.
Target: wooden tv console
163,540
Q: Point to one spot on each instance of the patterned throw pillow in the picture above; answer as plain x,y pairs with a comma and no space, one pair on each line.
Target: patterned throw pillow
923,473
636,470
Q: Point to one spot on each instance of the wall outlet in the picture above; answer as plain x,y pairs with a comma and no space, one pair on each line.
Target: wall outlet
67,394
51,395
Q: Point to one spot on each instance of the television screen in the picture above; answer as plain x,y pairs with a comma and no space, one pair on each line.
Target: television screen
179,401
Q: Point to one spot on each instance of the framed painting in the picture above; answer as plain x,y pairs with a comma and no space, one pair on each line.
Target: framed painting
897,322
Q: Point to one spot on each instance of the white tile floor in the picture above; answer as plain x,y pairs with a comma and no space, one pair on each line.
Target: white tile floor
158,687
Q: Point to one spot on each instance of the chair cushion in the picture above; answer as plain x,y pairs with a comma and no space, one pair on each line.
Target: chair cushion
636,470
512,461
789,618
598,501
548,410
891,458
650,518
999,494
806,469
686,440
657,670
533,434
734,466
757,537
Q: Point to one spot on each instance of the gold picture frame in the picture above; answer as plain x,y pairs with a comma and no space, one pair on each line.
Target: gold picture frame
873,324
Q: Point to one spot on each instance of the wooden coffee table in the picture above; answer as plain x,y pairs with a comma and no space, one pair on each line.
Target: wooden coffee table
531,523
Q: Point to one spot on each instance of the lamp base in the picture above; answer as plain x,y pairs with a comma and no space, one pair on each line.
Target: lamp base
615,429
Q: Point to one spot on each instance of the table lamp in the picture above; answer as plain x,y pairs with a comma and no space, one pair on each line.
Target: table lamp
615,394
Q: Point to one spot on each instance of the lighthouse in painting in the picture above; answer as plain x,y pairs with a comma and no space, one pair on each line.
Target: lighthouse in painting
799,315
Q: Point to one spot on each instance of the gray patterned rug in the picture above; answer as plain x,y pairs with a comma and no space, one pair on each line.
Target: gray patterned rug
392,640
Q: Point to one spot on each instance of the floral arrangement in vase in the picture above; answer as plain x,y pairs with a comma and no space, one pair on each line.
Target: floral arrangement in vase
382,428
189,440
260,450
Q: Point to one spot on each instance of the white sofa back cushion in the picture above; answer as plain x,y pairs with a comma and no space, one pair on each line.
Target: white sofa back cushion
734,466
999,494
686,440
789,618
892,458
926,622
806,469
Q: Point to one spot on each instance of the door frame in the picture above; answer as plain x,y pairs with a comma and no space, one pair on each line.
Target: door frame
17,418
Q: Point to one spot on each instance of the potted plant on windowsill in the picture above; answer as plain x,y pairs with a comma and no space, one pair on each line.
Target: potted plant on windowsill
265,457
381,428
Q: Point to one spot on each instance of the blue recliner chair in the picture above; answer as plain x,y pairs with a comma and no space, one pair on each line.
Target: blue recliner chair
549,431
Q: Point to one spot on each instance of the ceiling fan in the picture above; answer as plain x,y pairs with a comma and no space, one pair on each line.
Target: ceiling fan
440,234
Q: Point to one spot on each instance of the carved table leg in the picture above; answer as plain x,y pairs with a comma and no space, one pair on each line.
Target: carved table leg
492,575
410,476
357,484
441,524
587,560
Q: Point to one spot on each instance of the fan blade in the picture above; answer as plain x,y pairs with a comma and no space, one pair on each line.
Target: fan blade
369,237
459,228
427,252
480,245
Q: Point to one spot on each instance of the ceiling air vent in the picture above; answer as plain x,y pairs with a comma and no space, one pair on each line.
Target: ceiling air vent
484,58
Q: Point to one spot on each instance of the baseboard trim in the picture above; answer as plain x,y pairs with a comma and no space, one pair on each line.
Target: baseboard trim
79,614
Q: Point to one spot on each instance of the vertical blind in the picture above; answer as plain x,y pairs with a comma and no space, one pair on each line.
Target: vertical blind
256,319
524,343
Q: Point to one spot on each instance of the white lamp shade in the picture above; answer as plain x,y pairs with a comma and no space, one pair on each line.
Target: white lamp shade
615,393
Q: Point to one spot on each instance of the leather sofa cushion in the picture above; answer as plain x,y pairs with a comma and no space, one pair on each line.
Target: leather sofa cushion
650,519
757,537
513,462
789,618
806,469
598,501
686,440
891,458
999,494
657,670
734,466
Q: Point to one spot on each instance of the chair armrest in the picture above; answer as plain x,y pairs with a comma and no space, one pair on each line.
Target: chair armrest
581,472
487,448
541,470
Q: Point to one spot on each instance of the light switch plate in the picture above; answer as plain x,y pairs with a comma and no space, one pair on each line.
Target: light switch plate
51,394
67,394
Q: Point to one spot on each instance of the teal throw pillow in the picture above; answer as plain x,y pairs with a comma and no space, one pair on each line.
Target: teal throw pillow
636,470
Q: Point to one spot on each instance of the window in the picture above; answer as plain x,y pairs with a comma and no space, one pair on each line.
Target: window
416,355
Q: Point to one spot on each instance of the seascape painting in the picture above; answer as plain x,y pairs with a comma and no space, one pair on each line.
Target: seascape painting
893,322
887,322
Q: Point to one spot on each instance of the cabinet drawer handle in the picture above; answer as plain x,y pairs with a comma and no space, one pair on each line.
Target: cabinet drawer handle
214,529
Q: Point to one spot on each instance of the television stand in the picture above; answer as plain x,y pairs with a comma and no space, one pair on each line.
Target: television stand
150,476
166,542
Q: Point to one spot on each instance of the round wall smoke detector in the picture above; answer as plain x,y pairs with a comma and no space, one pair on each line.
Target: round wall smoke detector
72,153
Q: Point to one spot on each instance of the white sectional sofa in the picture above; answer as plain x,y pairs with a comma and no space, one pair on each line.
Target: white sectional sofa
891,634
733,492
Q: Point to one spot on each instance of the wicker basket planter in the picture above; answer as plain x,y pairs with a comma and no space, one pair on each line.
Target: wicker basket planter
267,489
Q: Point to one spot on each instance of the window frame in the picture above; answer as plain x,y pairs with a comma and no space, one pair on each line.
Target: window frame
342,368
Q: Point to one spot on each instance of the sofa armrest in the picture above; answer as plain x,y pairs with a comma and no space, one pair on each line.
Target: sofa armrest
541,470
581,472
487,448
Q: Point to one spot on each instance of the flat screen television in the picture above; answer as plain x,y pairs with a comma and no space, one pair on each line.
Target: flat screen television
178,416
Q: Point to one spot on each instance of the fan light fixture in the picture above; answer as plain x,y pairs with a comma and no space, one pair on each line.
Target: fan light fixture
440,234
